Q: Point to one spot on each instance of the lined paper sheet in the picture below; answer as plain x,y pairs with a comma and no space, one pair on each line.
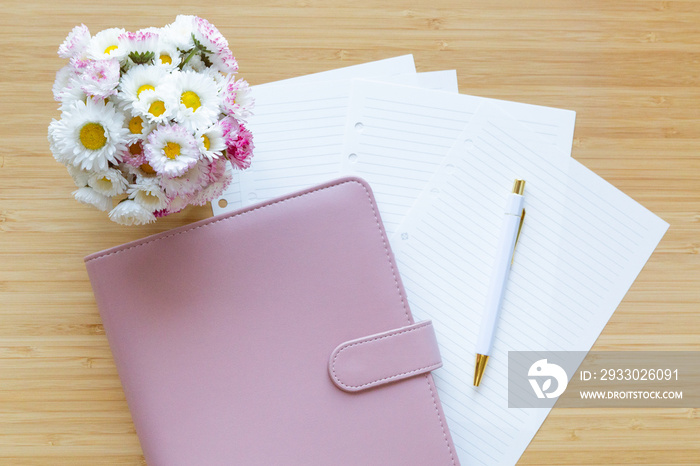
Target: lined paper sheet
582,245
397,136
232,198
299,132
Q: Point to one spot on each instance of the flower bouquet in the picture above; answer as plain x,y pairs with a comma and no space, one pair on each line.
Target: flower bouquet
150,118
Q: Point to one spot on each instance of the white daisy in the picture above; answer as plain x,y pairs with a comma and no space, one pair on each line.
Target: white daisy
179,32
129,212
147,192
105,44
152,106
194,63
110,182
221,79
80,176
167,55
189,182
71,94
90,135
171,150
211,141
54,128
75,43
139,127
91,197
193,99
63,77
137,80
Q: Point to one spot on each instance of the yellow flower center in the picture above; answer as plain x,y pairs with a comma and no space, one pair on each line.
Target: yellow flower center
145,87
136,125
110,49
190,100
166,59
157,108
207,142
146,167
92,136
171,150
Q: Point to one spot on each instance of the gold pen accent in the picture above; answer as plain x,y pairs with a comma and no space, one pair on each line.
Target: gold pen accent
481,361
518,188
517,237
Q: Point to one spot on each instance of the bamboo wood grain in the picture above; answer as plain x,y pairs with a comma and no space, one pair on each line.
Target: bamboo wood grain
631,70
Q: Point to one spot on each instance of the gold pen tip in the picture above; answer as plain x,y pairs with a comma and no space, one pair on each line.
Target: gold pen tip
519,187
479,368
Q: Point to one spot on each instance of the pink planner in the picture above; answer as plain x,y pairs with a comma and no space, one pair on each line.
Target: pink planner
279,334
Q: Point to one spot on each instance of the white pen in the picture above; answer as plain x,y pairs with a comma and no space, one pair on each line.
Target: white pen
510,231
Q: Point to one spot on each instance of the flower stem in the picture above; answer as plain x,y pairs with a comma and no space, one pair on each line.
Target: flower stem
184,62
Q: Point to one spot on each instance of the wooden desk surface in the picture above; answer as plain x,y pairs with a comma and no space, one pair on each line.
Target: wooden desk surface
630,69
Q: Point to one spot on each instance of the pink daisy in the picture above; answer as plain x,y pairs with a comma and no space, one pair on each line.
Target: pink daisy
75,43
134,154
237,100
213,190
216,170
188,183
240,150
216,44
100,78
171,150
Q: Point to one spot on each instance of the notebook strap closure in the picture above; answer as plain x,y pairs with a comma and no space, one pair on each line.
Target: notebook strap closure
385,357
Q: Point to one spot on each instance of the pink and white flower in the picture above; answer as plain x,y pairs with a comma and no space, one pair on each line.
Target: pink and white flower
171,150
76,42
190,182
240,150
218,51
139,42
237,99
213,190
100,78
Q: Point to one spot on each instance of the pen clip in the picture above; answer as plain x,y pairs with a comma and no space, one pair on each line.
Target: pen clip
517,237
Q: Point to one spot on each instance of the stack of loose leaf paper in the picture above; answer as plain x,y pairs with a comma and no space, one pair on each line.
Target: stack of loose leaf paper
441,165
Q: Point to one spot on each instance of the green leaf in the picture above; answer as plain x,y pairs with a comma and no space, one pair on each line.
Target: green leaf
142,58
206,60
200,46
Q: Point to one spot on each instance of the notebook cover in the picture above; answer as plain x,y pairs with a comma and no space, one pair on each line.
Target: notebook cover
222,330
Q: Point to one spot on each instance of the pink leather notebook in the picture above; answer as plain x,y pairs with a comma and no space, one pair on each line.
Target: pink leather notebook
275,335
